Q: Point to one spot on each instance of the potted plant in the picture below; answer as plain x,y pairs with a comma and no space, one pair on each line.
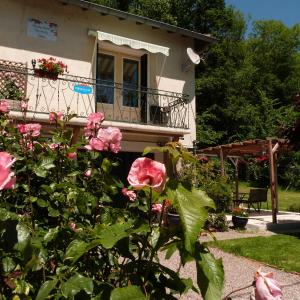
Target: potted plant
239,217
173,218
50,68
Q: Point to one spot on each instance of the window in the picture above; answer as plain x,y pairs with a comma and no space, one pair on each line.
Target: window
105,78
130,82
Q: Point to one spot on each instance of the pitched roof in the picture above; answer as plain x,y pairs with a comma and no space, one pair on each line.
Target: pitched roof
104,10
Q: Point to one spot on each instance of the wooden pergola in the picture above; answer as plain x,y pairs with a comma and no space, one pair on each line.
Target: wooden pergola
269,147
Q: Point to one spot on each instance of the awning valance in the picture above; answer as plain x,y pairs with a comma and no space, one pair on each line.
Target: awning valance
134,44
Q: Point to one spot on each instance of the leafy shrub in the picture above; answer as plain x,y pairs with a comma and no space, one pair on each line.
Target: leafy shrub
206,175
258,172
220,191
10,90
289,170
62,236
294,207
216,222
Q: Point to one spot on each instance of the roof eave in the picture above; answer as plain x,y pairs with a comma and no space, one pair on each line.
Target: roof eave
141,20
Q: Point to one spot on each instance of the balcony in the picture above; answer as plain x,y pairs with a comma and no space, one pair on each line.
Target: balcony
78,95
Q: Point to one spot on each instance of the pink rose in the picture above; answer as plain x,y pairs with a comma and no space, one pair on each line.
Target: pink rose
130,194
21,128
53,146
111,138
4,106
95,144
72,155
24,105
93,119
147,172
60,115
7,179
88,173
53,116
107,139
93,124
32,129
266,288
156,208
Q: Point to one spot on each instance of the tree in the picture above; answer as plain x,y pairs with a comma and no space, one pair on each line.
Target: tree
247,84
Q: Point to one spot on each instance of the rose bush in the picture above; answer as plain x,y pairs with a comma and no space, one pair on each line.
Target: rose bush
64,234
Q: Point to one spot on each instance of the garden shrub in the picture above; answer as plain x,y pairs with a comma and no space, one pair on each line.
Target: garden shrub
258,172
205,174
216,222
289,170
295,207
63,237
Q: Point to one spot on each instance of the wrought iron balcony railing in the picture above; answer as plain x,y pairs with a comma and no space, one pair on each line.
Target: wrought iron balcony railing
80,95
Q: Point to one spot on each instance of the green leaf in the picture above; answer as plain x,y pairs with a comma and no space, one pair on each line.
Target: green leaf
53,212
76,249
8,264
75,284
192,208
32,199
170,249
110,235
129,293
45,164
51,234
40,172
42,203
7,215
106,165
210,275
45,289
23,236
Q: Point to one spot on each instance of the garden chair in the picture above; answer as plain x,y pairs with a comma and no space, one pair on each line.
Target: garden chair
254,199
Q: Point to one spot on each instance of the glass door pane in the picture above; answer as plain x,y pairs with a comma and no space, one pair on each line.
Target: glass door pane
105,78
130,82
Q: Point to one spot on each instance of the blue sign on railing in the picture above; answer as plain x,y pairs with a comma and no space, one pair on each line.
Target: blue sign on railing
83,89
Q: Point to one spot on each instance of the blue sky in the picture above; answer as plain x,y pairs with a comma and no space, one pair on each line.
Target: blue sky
287,11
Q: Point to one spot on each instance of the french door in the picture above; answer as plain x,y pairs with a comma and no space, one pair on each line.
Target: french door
117,90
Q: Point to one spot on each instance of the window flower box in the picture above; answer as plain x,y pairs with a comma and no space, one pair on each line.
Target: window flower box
50,68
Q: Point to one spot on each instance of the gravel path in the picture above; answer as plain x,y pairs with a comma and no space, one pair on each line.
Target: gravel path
239,272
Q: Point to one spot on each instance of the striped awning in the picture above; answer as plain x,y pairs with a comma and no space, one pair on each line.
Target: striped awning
124,41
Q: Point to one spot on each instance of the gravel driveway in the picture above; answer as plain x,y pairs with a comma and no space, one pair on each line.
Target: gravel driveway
239,272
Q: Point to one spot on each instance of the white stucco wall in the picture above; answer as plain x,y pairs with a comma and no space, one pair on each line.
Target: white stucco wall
75,48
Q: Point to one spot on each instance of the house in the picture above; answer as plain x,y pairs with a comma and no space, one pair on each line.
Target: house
127,66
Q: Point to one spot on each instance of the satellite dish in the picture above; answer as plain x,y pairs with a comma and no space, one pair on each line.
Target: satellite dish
193,58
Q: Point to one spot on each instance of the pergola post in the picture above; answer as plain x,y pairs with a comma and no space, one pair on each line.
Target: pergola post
273,178
222,162
235,162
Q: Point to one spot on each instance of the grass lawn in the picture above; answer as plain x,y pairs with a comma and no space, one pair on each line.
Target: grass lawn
279,250
286,198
